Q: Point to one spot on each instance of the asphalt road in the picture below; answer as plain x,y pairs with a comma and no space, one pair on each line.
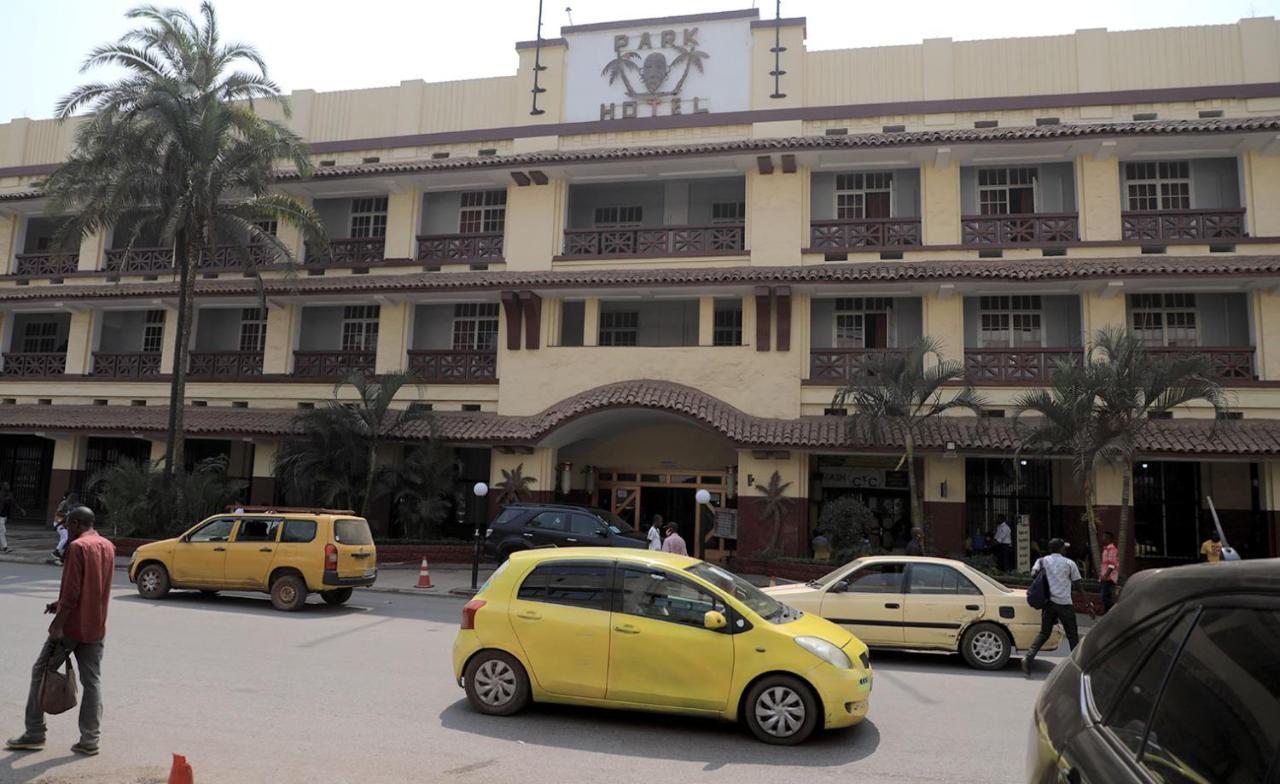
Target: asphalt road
364,693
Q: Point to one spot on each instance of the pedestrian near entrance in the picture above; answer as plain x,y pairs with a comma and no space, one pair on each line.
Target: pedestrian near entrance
1063,575
916,545
1211,549
1109,575
673,543
7,504
79,627
655,533
1004,546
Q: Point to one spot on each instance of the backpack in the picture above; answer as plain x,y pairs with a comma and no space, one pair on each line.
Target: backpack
1038,592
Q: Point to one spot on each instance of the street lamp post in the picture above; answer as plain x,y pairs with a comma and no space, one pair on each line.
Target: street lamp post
481,490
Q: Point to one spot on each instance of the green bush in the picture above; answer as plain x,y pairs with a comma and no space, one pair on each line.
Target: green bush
848,524
137,499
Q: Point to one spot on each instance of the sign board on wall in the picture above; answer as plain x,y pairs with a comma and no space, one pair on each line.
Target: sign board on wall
862,477
1023,542
726,523
658,70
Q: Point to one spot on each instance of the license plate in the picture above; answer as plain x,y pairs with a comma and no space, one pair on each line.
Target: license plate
370,572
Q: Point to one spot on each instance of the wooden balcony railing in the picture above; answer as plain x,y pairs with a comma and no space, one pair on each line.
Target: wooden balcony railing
1005,230
35,365
39,265
843,365
138,260
719,239
1016,365
864,234
1183,224
1227,363
132,364
333,364
234,257
459,247
225,364
350,250
454,367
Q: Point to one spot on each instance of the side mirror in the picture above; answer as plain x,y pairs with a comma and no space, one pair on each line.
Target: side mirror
839,587
714,620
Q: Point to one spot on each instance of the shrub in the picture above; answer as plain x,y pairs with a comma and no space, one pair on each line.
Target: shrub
847,523
137,499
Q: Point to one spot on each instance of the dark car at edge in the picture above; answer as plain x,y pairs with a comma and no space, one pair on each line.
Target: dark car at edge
526,526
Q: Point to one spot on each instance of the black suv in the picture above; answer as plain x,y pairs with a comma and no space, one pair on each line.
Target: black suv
526,526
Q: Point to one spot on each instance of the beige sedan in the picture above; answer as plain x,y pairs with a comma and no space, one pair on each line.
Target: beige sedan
934,604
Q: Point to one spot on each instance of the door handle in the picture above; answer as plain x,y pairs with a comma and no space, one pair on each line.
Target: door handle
529,616
527,536
264,549
360,555
891,605
219,549
972,607
626,628
571,540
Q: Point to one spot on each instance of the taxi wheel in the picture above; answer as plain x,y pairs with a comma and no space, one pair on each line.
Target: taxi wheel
337,597
985,646
496,684
781,710
288,593
153,582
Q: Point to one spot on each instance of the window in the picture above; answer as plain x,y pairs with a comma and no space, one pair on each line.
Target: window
1109,674
551,521
1158,185
665,597
299,531
1007,191
862,322
606,217
582,525
877,578
935,579
482,212
475,326
360,328
728,212
573,584
369,217
253,330
1166,509
619,327
1128,718
1219,713
1010,322
354,532
1164,319
153,332
267,226
727,327
257,530
215,531
572,322
864,195
40,337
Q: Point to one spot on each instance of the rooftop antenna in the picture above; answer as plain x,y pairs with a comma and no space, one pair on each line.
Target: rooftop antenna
538,67
777,50
569,13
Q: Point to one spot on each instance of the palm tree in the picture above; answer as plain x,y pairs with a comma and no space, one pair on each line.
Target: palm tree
513,483
1133,388
689,57
333,455
897,390
174,148
776,506
424,484
618,67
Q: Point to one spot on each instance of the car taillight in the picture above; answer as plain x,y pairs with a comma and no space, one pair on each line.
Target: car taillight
330,558
469,611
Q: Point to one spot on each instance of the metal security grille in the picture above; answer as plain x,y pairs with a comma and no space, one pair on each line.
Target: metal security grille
40,337
727,330
995,490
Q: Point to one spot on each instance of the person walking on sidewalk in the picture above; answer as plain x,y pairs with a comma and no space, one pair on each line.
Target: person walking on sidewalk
916,545
79,627
674,543
7,504
1110,573
1063,575
1004,546
655,533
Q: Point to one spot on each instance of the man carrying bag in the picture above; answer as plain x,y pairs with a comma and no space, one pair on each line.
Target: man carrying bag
79,627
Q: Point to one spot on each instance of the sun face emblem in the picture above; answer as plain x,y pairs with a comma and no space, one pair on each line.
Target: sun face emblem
654,71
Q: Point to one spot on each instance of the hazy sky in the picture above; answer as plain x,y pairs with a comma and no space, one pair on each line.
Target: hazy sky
341,44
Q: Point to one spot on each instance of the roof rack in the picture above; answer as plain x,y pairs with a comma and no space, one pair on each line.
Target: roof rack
236,508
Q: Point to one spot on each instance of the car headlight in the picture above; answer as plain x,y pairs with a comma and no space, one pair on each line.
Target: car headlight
826,651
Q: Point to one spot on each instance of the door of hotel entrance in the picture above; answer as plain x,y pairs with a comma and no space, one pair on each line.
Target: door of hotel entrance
636,495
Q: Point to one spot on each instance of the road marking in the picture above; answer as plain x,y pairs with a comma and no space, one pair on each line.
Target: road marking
470,768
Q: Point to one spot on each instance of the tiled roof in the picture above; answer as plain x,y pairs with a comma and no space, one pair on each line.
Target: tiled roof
1047,269
1252,437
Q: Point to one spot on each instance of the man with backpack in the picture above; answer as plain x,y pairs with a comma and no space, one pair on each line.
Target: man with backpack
1053,578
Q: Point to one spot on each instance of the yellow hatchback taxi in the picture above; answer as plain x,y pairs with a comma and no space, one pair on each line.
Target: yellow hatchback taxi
285,554
655,631
921,603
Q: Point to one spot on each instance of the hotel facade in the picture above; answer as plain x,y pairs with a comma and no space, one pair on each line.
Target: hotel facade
643,264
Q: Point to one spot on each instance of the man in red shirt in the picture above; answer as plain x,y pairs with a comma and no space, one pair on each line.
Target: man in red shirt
79,626
1110,573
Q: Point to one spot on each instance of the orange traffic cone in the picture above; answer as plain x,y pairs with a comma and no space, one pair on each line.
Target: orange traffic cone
424,576
181,771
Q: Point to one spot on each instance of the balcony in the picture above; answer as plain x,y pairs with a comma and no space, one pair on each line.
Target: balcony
998,231
131,364
1016,365
35,365
42,265
1227,363
356,251
844,365
236,257
716,240
333,364
864,234
225,364
454,367
459,248
1159,225
137,261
